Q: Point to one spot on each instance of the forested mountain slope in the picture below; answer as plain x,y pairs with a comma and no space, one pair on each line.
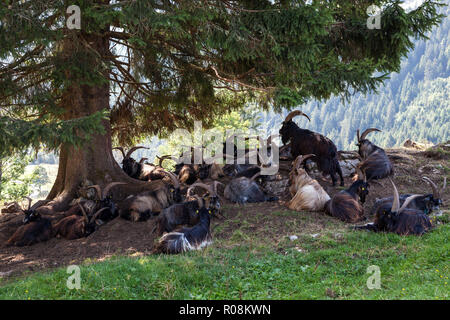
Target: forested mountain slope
414,103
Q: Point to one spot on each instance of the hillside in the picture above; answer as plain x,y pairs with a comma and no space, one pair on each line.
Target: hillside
413,103
333,256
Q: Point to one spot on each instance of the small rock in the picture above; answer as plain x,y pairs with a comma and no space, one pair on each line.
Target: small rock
292,238
315,235
338,236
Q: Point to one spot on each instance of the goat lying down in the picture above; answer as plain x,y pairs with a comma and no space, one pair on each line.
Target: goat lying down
427,203
186,213
400,220
75,226
345,205
143,206
185,239
244,190
35,229
375,162
307,193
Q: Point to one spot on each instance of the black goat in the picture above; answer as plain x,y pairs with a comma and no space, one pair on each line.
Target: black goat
426,203
35,229
147,204
185,239
138,170
400,220
375,162
345,205
305,142
186,213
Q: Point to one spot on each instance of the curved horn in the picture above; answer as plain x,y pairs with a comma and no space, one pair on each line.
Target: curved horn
201,185
255,176
294,114
303,158
29,202
200,201
108,187
361,173
358,136
133,150
436,194
396,201
407,201
215,184
142,160
173,178
97,213
84,212
366,132
121,149
98,189
7,204
161,159
444,185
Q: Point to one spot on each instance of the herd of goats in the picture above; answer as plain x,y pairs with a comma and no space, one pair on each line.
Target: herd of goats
182,217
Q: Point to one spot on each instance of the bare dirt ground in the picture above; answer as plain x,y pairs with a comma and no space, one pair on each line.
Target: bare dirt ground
265,220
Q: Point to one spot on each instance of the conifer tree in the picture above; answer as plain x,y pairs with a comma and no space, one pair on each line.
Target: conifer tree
140,67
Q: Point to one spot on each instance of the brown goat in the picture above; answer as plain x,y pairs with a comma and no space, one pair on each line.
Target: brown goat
35,229
345,205
144,205
75,227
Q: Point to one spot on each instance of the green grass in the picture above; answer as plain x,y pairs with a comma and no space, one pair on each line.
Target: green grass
411,268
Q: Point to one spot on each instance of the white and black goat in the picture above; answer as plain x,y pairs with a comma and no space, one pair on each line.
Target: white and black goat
305,142
401,220
187,238
306,192
375,162
35,228
427,203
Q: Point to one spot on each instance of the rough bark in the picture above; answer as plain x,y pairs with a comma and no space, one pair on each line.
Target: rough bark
94,161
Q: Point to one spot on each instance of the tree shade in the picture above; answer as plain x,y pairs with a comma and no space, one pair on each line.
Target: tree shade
147,67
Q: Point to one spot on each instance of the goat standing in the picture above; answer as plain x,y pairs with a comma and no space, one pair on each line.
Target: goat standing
305,142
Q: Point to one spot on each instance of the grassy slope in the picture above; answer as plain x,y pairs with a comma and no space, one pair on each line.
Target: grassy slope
243,263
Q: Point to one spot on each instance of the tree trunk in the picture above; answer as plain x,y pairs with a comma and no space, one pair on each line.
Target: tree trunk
93,162
1,174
